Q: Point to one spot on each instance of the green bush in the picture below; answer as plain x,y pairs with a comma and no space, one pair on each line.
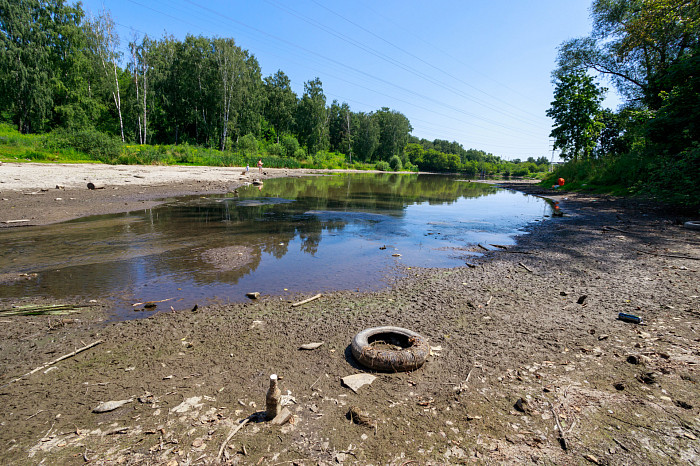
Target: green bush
290,146
382,165
248,145
395,163
99,146
275,149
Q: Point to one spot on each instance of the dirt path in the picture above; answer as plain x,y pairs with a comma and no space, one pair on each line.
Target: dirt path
526,339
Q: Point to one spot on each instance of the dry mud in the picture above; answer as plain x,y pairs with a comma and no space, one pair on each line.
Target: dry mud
525,340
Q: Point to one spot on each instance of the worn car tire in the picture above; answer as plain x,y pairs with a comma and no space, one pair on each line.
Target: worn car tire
693,224
413,353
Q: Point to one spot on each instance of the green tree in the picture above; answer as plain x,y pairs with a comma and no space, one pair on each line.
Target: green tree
394,129
280,103
575,111
366,136
634,43
312,117
25,61
103,43
339,126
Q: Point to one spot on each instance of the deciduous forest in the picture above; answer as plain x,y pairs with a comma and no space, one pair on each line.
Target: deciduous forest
68,91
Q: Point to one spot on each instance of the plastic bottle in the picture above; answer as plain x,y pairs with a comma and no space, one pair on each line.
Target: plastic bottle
272,400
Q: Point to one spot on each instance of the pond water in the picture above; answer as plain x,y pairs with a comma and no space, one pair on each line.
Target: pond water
302,234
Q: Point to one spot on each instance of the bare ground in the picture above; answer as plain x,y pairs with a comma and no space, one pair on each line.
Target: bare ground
526,339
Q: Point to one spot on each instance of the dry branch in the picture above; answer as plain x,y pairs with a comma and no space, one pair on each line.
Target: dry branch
300,303
525,267
69,355
230,436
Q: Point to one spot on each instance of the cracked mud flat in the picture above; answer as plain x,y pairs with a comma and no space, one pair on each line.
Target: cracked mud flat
519,352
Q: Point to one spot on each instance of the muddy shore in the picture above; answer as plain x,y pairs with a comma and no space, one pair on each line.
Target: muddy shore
526,340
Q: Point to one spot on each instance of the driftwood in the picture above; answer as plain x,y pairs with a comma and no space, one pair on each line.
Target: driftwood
92,185
69,355
17,221
483,247
525,267
152,302
51,309
301,303
560,431
230,436
675,256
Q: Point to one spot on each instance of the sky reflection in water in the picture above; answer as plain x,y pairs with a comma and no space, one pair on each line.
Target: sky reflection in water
309,234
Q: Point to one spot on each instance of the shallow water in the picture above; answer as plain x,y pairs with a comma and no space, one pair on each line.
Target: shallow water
293,235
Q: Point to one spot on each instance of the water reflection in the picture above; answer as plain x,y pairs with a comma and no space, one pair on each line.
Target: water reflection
300,234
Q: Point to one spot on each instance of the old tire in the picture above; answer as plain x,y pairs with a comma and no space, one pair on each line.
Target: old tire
693,224
413,353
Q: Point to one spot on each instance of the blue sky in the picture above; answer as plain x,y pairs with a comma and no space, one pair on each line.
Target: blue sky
475,72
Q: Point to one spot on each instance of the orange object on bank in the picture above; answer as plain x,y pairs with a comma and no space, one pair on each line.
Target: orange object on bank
560,181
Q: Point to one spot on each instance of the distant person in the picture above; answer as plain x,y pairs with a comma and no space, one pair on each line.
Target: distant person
247,168
260,165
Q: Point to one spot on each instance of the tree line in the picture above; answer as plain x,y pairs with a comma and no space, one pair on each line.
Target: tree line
63,70
650,51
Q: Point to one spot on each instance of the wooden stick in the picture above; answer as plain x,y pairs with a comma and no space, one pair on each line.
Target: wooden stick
300,303
669,255
312,385
17,221
69,355
524,266
561,438
483,247
230,436
499,246
147,302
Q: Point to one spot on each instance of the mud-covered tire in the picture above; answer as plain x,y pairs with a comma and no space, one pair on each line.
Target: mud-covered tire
693,224
413,353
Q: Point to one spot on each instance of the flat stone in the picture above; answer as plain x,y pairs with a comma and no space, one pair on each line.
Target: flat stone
357,381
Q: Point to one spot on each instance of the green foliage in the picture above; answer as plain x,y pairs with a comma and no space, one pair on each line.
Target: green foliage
99,146
248,145
575,111
290,145
382,166
395,163
300,154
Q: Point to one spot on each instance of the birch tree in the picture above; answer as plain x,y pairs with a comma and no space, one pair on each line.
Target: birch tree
140,66
229,62
104,44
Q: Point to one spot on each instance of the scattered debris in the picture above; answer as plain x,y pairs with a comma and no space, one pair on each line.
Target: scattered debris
301,303
111,405
360,417
357,381
36,310
92,186
525,267
230,436
648,378
629,318
582,299
151,304
310,346
283,416
253,295
69,355
17,221
522,405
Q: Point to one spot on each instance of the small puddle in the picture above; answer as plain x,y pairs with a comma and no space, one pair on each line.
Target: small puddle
295,235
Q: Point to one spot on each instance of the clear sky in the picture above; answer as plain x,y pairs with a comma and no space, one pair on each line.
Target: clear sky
472,71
